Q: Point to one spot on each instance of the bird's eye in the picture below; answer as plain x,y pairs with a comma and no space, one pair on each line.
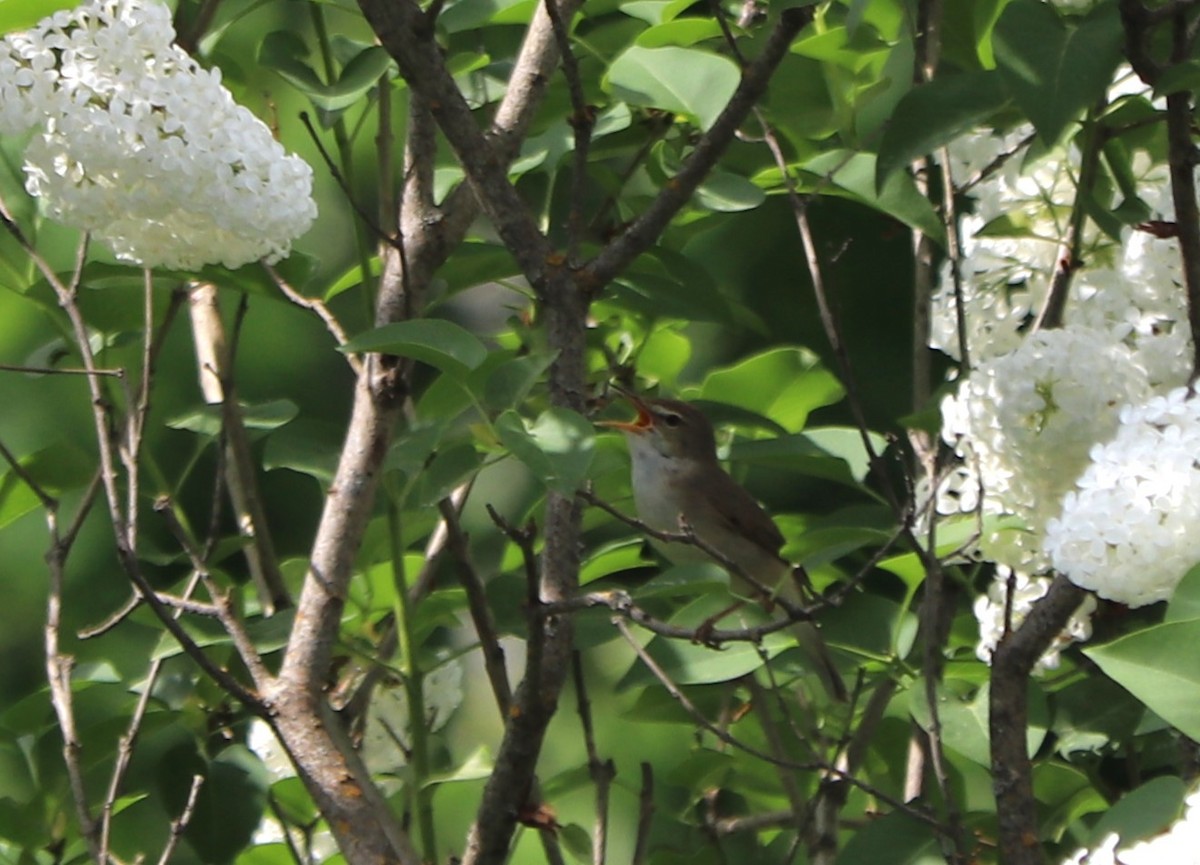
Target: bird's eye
672,420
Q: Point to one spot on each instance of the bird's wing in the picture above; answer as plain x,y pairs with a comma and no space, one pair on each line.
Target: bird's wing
743,514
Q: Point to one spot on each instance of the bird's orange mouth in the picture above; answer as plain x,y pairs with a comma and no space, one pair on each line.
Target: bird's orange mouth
639,424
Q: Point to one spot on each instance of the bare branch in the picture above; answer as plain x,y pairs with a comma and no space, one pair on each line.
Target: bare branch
319,308
180,823
125,744
582,121
601,771
214,365
481,614
407,34
58,676
222,603
645,815
1012,663
49,370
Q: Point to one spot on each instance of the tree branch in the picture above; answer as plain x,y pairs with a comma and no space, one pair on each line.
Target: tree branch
1012,663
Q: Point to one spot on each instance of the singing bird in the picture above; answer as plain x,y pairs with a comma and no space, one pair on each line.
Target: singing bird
677,480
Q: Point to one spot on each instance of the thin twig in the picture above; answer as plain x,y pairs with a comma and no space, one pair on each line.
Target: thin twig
583,121
645,815
49,370
319,308
340,180
222,601
58,676
677,694
602,771
621,603
179,824
477,602
126,743
215,363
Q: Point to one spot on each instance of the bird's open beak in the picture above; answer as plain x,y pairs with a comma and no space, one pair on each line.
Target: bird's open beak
640,424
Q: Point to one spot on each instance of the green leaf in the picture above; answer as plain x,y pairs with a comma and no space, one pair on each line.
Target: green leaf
685,581
820,546
1180,76
207,420
1091,713
655,12
1055,69
729,193
357,77
437,342
798,385
852,175
577,841
834,453
836,46
953,534
23,14
353,277
305,446
449,467
477,263
894,838
55,469
1066,794
964,720
293,800
1185,601
688,663
512,380
287,54
1142,813
230,804
623,555
686,81
558,446
1146,663
933,115
665,284
472,14
801,81
683,32
664,355
268,634
266,854
16,779
477,765
547,149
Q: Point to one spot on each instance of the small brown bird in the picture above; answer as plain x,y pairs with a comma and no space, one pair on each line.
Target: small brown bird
676,476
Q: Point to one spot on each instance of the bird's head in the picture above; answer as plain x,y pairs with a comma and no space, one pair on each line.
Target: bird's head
670,427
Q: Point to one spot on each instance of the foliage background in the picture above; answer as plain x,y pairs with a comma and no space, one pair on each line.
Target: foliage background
740,289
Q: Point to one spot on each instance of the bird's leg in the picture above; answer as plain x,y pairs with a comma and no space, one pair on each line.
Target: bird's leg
704,631
803,584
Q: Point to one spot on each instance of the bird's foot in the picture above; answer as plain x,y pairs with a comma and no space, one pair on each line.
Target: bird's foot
704,634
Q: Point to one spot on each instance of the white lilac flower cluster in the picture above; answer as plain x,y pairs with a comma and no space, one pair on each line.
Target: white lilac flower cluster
1133,289
134,142
1140,300
1045,415
1005,273
1128,530
1024,422
991,609
1179,845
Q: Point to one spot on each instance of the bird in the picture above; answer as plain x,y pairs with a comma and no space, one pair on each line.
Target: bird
678,484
